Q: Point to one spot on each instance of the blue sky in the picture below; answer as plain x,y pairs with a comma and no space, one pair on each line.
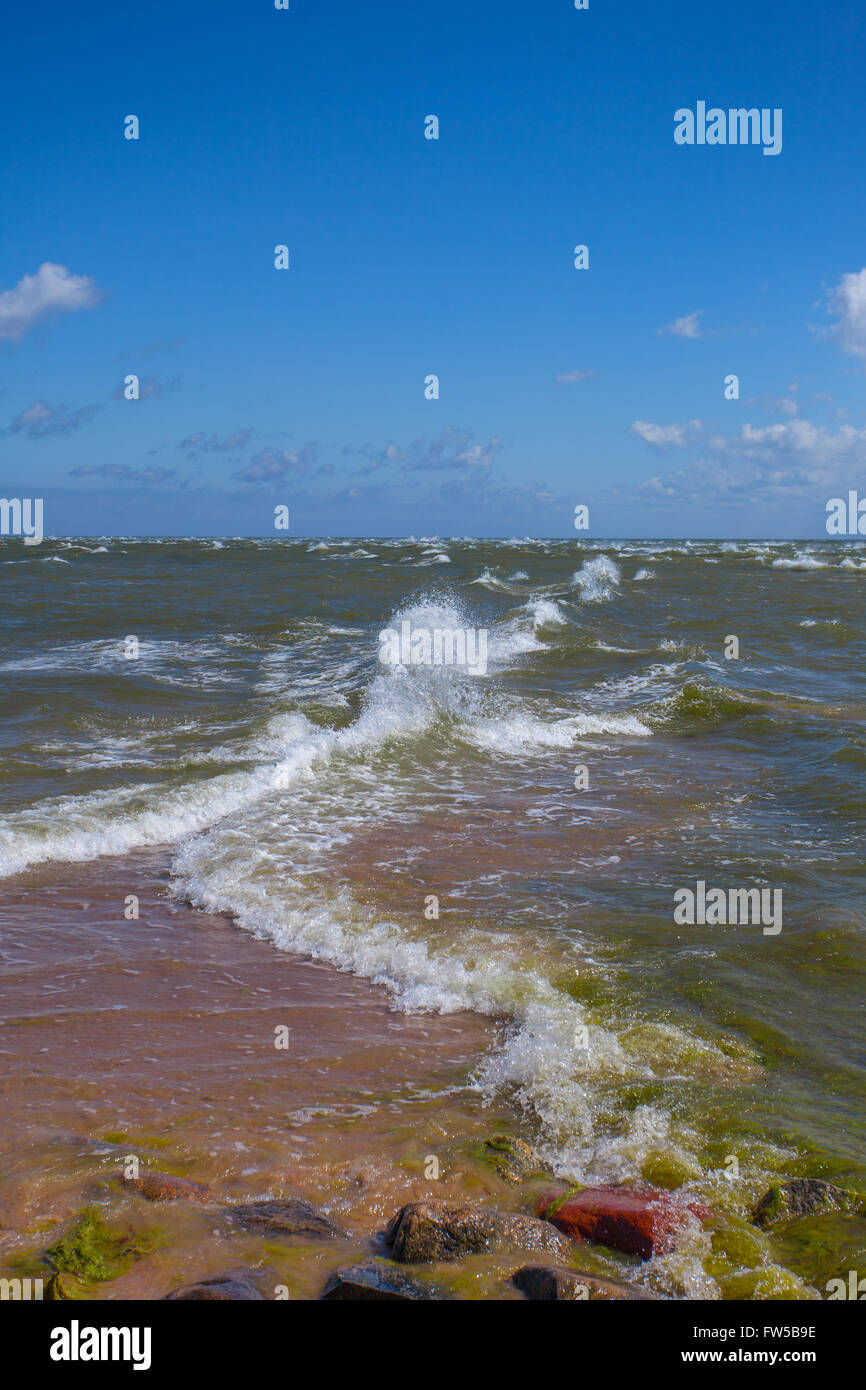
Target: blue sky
410,256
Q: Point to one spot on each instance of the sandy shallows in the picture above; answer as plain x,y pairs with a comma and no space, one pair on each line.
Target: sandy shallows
156,1038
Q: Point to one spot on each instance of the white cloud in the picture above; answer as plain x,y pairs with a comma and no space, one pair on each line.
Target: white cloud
577,375
40,420
848,302
52,290
775,463
797,439
686,327
666,436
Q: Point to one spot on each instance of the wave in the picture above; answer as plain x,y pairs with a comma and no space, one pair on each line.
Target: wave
544,612
799,562
520,733
493,581
597,579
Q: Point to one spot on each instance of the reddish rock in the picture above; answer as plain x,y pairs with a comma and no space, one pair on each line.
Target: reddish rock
163,1187
638,1221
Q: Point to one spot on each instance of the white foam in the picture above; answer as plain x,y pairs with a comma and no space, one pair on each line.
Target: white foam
798,562
488,580
545,613
521,733
597,579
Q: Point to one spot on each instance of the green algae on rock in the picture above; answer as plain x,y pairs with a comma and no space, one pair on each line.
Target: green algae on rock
804,1197
512,1159
92,1250
422,1232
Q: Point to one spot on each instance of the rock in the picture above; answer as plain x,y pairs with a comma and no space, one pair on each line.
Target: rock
554,1284
439,1230
163,1187
59,1289
638,1221
802,1197
91,1250
238,1286
513,1159
289,1216
380,1280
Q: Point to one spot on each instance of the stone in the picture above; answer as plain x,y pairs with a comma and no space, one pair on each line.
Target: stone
802,1197
552,1283
638,1221
513,1159
237,1286
377,1280
164,1187
288,1216
441,1230
59,1289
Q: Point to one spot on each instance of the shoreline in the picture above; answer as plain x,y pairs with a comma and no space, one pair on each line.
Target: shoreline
148,1109
156,1038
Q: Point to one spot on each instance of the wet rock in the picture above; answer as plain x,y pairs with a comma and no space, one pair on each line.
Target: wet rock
439,1230
92,1250
289,1216
637,1221
59,1289
555,1284
802,1197
513,1159
164,1187
379,1280
239,1285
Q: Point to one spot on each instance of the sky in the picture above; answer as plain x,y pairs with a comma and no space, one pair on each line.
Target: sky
412,257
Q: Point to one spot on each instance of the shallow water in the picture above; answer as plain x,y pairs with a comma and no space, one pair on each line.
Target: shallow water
320,798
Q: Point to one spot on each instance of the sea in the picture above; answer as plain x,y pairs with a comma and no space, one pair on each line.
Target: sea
508,839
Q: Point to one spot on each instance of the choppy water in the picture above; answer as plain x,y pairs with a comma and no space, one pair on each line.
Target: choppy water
321,797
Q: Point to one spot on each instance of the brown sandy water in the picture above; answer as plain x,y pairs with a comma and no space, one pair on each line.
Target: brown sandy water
155,1038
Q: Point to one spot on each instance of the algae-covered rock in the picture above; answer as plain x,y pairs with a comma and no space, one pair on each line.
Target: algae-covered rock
59,1289
803,1197
768,1284
669,1170
440,1230
552,1283
92,1250
512,1159
737,1245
